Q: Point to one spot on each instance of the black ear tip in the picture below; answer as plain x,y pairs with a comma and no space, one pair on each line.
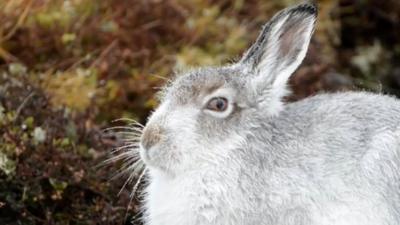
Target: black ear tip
310,7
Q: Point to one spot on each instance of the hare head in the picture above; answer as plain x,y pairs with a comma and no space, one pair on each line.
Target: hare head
206,113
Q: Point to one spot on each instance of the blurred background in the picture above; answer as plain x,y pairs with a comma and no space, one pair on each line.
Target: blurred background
68,68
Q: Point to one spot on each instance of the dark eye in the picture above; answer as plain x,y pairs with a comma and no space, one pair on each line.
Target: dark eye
218,104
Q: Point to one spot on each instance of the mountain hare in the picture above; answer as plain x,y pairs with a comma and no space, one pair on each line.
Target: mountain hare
223,149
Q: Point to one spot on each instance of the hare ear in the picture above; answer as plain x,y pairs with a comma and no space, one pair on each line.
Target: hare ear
280,48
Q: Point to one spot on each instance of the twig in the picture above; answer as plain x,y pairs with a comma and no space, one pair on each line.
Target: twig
20,107
21,19
8,57
104,53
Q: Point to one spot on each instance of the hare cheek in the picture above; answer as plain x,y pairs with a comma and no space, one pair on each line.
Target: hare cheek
160,156
171,152
147,155
182,137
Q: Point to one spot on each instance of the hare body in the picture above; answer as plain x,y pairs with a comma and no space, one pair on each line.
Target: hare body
222,148
332,159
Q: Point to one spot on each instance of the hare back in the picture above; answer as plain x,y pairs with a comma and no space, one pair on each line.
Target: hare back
342,150
347,132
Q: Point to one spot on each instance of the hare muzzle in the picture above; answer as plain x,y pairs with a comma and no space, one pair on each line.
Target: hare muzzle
152,135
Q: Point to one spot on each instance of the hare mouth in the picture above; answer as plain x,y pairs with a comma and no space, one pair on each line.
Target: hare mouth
154,157
145,154
162,157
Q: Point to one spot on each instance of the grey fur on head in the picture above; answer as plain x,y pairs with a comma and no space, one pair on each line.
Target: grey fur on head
223,149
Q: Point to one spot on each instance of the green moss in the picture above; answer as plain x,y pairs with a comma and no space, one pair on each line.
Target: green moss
7,166
29,122
58,185
2,115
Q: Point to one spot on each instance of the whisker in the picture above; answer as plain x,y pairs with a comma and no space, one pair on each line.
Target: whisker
139,125
111,160
134,142
129,151
161,77
132,175
132,145
127,133
126,156
125,119
119,157
129,140
123,170
129,120
134,189
133,129
134,138
136,186
127,167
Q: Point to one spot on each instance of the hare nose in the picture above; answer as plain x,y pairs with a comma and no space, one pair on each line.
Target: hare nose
152,135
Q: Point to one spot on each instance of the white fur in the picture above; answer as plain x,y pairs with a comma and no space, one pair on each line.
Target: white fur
331,159
271,71
177,200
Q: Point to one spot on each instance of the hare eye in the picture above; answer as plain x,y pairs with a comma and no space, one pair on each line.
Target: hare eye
218,104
